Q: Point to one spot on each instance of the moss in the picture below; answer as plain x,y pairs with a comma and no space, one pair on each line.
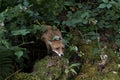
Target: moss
49,68
112,56
88,52
53,68
25,76
89,70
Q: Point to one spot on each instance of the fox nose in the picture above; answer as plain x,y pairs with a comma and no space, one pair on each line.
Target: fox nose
61,55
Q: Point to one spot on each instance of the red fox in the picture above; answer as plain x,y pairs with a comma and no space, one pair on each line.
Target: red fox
53,39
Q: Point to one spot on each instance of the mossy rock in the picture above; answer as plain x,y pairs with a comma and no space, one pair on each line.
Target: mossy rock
90,72
25,76
98,76
49,68
88,52
87,71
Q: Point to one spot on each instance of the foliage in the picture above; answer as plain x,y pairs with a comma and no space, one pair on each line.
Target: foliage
51,69
22,23
47,10
70,68
90,72
6,67
24,76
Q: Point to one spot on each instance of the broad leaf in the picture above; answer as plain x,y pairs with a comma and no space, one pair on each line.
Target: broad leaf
26,3
96,50
105,1
68,3
20,32
109,6
2,18
103,5
19,54
118,42
91,33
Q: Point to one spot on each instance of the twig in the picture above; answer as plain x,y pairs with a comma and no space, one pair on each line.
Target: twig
25,43
12,75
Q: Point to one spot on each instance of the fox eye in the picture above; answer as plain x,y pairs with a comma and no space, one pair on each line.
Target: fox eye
57,48
63,48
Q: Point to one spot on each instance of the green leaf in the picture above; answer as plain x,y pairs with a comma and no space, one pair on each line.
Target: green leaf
19,54
66,71
40,28
85,21
26,3
103,5
20,32
91,33
118,65
109,6
67,61
105,1
56,38
118,42
96,50
68,3
72,70
85,14
74,65
2,18
4,42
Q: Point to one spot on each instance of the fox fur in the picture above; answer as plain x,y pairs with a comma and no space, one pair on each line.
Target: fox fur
53,40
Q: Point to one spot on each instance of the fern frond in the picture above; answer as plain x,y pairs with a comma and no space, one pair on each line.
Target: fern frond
6,62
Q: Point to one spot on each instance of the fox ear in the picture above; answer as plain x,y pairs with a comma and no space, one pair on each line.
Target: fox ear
49,42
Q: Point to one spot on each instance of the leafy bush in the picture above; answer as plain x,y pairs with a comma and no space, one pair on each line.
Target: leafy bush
22,22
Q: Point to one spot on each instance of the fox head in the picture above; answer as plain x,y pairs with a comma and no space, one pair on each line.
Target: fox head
57,46
53,39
